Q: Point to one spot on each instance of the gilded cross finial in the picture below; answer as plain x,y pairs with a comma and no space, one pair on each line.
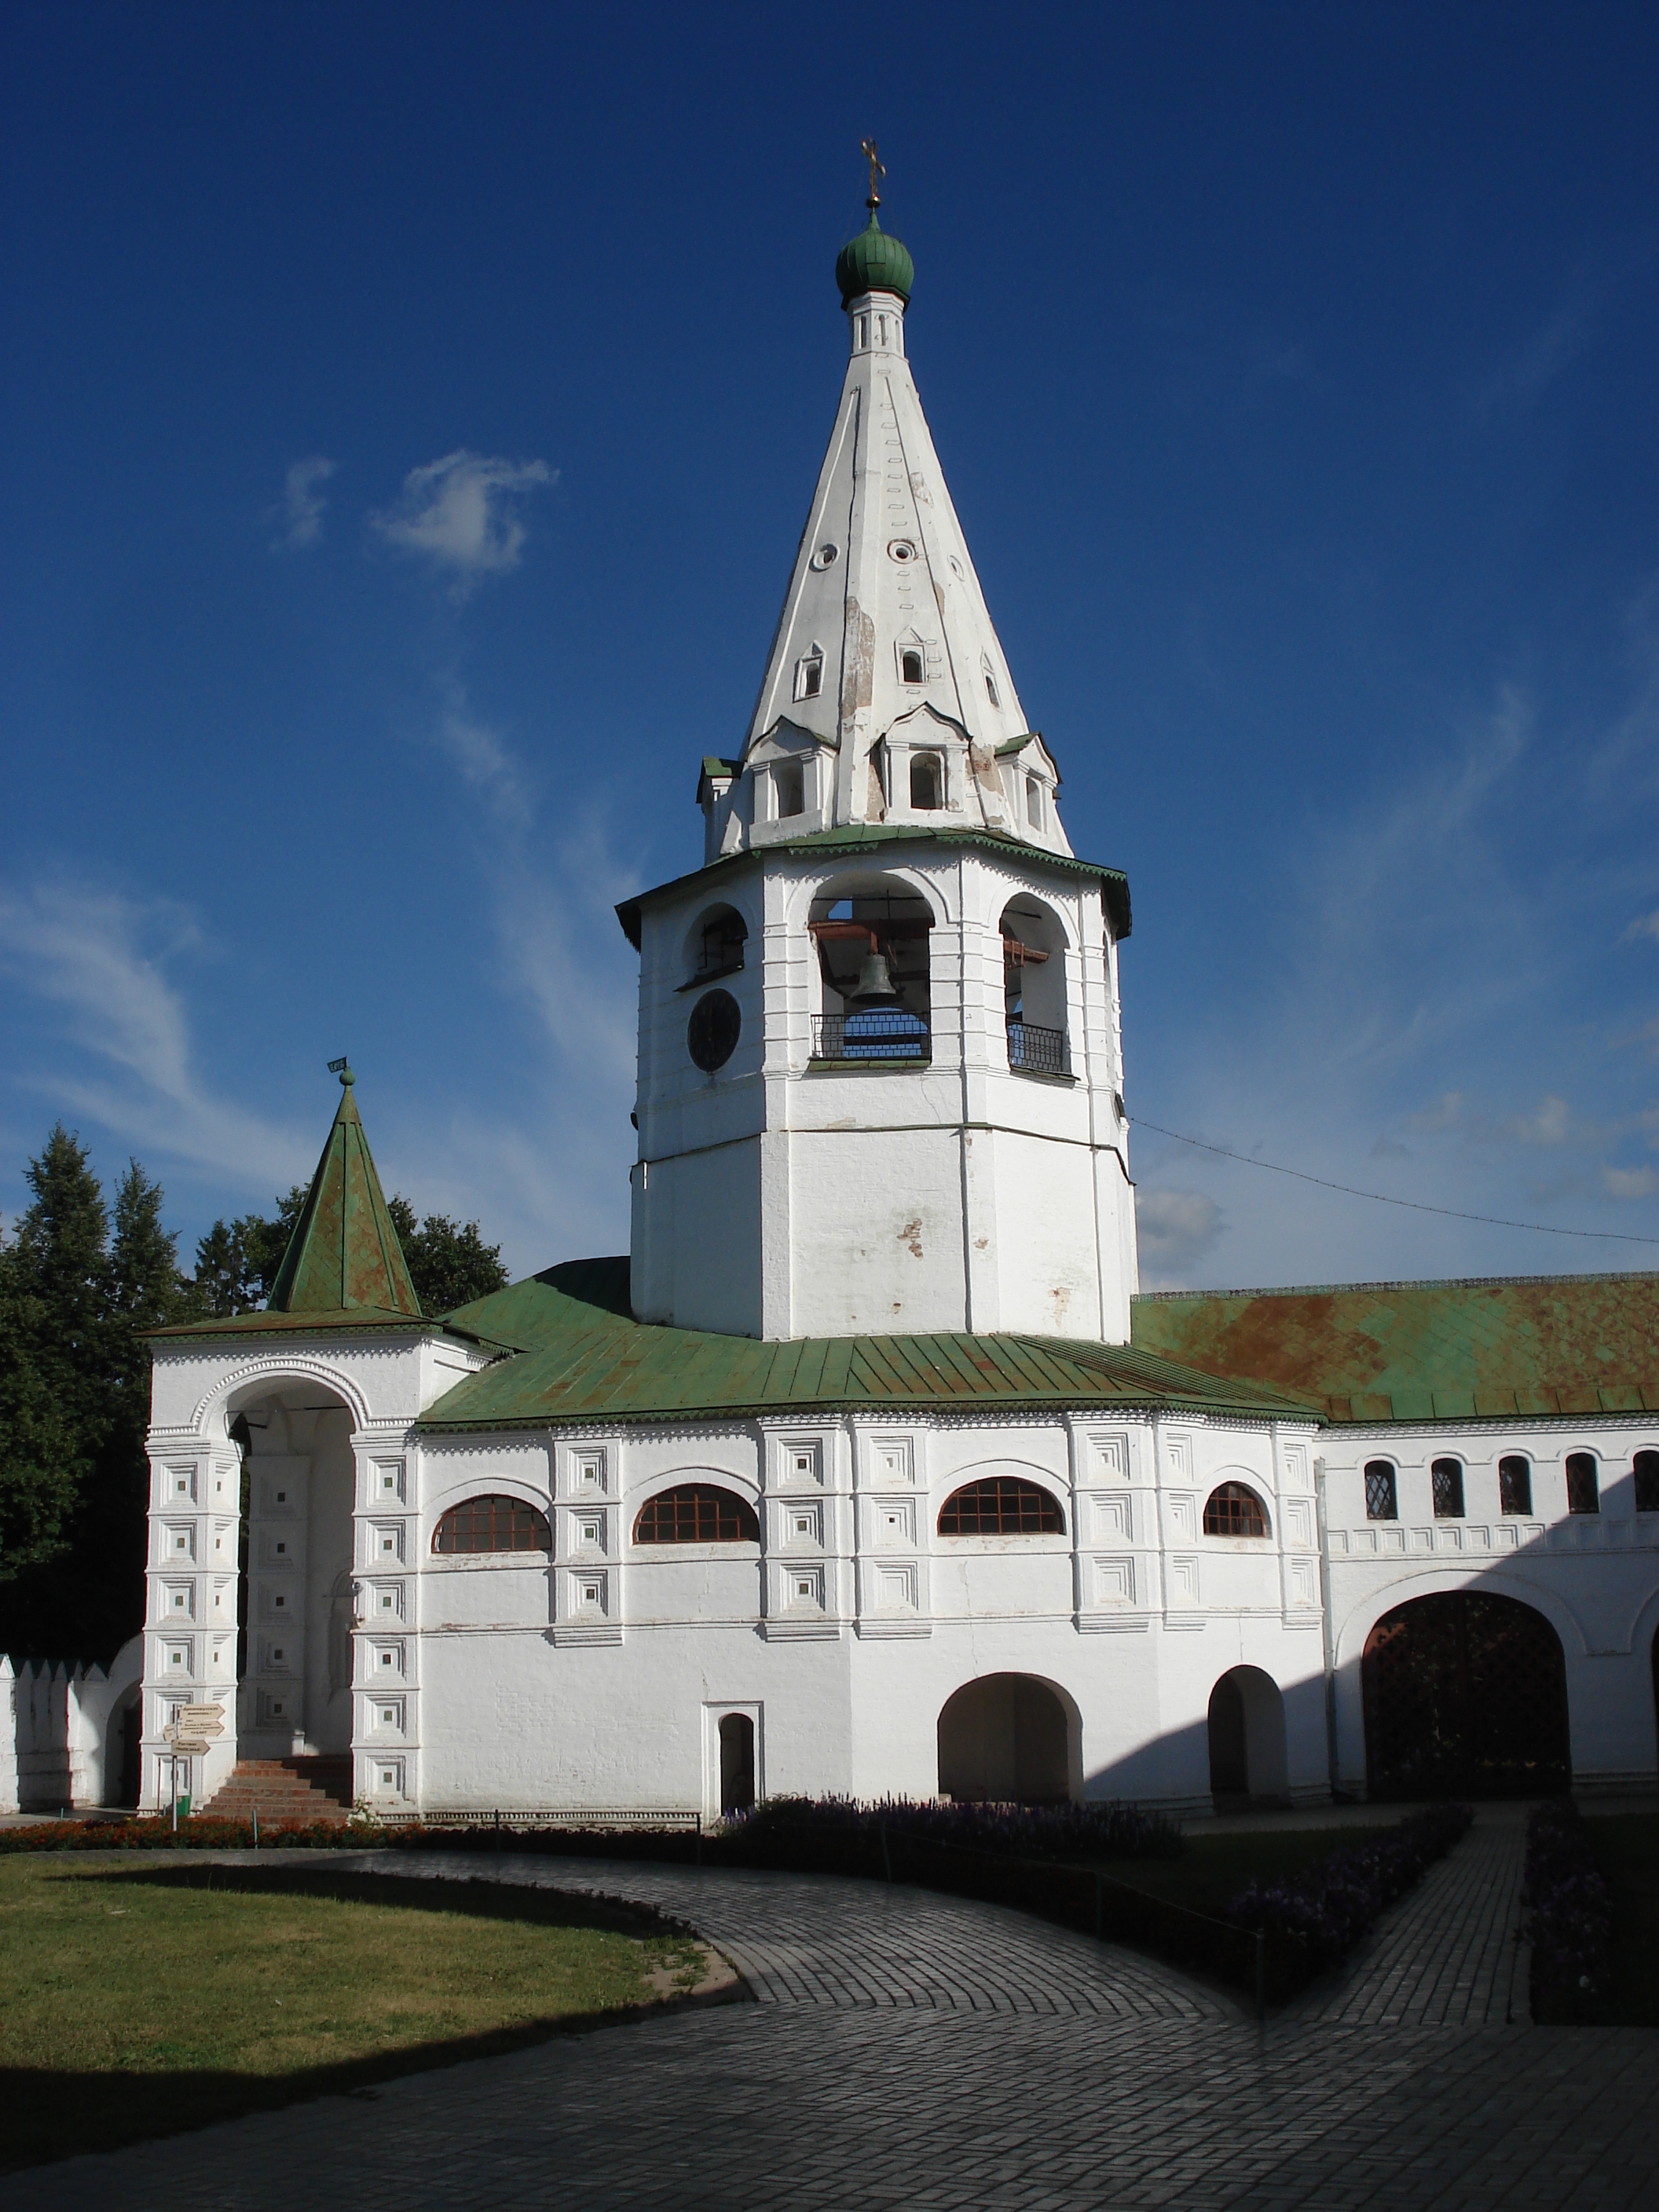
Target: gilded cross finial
878,168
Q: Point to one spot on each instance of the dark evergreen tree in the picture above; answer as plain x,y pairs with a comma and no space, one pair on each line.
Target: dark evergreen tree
237,1262
448,1264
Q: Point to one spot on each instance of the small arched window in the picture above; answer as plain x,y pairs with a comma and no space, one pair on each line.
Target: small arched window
1001,1506
1513,1484
926,783
1033,802
808,673
492,1524
1381,1503
696,1513
991,691
912,666
1583,1495
1447,1478
1645,1468
1234,1510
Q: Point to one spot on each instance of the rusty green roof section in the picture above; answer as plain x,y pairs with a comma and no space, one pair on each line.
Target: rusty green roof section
580,1357
343,1256
1490,1349
875,836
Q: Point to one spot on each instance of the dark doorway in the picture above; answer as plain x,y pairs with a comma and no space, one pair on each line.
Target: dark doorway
1466,1695
1230,1772
131,1729
1005,1739
737,1763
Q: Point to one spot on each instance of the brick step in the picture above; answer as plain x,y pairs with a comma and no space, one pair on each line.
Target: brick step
302,1789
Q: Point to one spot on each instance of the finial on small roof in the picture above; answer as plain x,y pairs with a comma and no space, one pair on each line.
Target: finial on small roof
342,1067
878,168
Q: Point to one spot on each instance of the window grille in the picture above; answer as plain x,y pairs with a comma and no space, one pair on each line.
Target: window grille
1582,1493
696,1513
1001,1506
1447,1475
493,1524
1380,1502
1514,1486
1646,1471
1233,1511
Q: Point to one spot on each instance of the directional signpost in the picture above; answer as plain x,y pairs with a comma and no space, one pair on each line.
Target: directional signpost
190,1734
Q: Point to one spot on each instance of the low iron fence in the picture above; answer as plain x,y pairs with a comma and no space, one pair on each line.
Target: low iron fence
1034,1051
888,1033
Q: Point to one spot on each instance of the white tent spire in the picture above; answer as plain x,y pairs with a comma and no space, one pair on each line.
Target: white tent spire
884,655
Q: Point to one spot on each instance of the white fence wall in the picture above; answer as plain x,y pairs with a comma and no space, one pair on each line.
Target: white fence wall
56,1742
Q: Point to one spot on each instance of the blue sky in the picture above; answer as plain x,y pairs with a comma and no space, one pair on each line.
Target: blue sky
411,414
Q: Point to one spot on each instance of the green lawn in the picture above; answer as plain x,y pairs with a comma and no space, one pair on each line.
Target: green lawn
137,2001
1213,1870
1626,1848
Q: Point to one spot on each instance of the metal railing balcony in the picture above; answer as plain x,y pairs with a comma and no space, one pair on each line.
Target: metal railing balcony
887,1033
1033,1051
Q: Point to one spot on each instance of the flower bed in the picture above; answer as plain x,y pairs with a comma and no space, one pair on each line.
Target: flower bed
1317,1916
1569,1915
1026,1832
193,1833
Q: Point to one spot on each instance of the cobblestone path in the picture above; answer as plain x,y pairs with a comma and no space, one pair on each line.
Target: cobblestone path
916,2051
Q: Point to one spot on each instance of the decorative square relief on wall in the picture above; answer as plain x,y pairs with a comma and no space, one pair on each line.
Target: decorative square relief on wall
893,1523
892,1459
386,1776
1182,1510
278,1496
1181,1581
179,1486
386,1544
587,1473
1113,1519
276,1708
1108,1456
386,1482
1298,1520
385,1716
279,1552
386,1661
178,1542
1178,1459
1114,1581
803,1588
1296,1466
385,1602
1303,1582
179,1600
802,1525
799,1460
896,1588
588,1530
276,1655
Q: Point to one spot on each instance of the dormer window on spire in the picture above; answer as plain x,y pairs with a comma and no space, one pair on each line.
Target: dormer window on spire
913,667
809,674
991,691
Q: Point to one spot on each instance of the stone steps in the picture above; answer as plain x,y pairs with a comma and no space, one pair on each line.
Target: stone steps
317,1789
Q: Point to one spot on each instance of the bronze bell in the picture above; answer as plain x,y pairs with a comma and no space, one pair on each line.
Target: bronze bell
874,988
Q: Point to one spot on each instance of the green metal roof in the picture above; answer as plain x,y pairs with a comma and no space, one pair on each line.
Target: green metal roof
581,1357
343,1267
1493,1349
872,837
873,262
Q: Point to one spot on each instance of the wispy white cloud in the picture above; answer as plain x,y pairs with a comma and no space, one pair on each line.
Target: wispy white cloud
1174,1229
100,960
1646,925
300,515
462,514
486,763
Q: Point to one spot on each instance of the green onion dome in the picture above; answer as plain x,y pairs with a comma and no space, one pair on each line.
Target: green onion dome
872,262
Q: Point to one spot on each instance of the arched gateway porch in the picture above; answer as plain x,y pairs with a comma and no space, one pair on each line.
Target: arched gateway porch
1010,1739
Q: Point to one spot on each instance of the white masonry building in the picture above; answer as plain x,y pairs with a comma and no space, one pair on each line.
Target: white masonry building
868,1471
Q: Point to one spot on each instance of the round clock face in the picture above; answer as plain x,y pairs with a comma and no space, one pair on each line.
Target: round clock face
711,1035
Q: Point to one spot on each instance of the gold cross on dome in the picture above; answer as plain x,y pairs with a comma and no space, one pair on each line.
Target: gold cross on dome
878,168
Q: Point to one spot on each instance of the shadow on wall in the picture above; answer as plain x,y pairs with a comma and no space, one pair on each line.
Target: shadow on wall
71,1733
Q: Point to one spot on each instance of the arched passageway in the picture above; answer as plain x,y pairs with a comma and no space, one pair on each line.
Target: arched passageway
124,1769
1008,1738
1248,1764
1465,1695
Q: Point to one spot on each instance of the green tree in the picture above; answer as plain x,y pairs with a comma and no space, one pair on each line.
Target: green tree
449,1264
40,1476
237,1262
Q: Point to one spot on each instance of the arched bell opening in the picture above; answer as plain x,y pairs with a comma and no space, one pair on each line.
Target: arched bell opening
298,1599
872,935
1249,1764
1034,987
1010,1739
1465,1695
124,1765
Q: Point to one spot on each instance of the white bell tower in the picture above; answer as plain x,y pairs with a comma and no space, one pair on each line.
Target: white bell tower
880,1062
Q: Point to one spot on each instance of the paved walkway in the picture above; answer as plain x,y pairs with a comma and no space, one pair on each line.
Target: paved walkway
1449,1954
925,2052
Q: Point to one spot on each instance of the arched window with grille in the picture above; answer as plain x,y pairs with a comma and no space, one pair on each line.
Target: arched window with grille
1234,1510
1446,1476
1381,1503
1514,1484
696,1513
1645,1468
1001,1506
495,1524
1584,1491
